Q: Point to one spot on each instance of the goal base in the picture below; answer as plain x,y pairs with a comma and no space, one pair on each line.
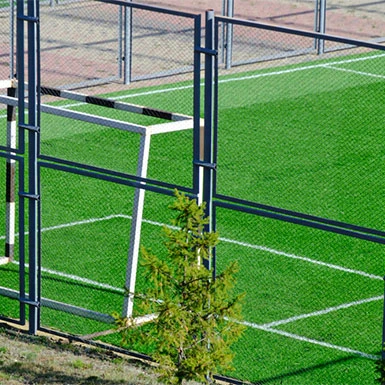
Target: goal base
4,260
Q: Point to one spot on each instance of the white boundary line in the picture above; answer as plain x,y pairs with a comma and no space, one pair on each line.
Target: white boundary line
241,78
333,67
310,340
305,259
321,312
269,327
77,278
226,240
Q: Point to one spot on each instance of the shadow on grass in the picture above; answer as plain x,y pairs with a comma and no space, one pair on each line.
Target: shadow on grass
284,377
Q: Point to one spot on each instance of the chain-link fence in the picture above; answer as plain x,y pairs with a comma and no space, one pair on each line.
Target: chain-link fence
6,41
299,145
358,19
90,42
297,193
87,43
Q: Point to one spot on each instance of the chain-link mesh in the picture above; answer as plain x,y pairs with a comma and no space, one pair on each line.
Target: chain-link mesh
6,39
299,136
313,305
89,43
357,19
162,44
84,245
10,280
79,43
93,149
307,133
303,135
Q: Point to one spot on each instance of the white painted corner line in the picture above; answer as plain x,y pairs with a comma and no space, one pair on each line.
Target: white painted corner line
305,259
333,67
222,239
311,341
322,312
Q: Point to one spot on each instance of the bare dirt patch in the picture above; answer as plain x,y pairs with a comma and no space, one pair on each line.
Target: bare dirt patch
80,41
26,359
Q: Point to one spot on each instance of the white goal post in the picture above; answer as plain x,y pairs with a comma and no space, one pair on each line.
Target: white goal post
10,210
177,122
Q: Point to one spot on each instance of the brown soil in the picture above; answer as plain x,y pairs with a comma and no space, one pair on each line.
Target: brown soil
43,359
33,360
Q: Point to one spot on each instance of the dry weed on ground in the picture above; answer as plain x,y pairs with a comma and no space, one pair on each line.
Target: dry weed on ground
31,360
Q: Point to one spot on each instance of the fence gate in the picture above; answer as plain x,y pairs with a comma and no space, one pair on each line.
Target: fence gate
83,164
288,157
298,202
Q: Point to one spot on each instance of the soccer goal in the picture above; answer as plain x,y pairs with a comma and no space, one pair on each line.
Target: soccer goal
10,214
175,122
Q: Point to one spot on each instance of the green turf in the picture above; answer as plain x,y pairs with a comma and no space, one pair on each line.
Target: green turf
308,138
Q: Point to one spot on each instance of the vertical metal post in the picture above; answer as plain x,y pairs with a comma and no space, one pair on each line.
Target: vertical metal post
209,119
20,63
198,128
136,227
10,180
33,188
316,18
127,21
120,42
32,127
229,35
320,24
223,32
12,39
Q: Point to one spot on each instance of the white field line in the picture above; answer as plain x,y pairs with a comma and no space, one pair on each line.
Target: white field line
354,71
310,340
226,240
305,259
77,278
236,79
321,312
269,327
266,327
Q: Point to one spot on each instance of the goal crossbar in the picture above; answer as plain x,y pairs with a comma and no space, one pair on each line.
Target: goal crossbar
177,122
111,103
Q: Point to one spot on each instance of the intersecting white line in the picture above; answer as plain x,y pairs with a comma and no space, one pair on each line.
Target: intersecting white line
222,239
322,312
238,78
354,71
268,327
311,340
305,259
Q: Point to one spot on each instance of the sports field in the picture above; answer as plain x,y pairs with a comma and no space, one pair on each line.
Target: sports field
307,137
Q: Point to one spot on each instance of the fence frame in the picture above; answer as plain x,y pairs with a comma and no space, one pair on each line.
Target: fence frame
205,141
29,98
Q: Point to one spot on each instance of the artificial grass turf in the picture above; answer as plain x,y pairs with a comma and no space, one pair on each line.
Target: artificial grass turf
316,155
306,141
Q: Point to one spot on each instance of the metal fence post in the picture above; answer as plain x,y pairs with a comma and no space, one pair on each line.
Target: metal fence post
198,127
208,153
229,35
32,127
320,24
127,44
12,40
